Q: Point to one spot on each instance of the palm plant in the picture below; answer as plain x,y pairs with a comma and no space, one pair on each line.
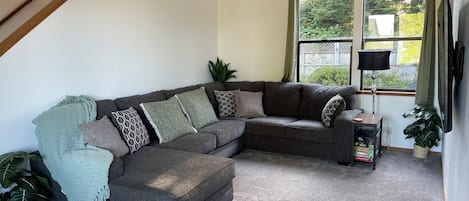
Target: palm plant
220,71
21,184
426,128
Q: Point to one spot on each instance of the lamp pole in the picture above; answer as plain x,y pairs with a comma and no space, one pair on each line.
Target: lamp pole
373,89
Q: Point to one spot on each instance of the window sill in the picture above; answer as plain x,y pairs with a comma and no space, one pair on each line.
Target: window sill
388,93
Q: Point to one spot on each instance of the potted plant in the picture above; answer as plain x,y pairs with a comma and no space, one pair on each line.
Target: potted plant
425,129
19,183
220,71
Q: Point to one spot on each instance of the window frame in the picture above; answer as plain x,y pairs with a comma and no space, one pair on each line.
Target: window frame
298,48
358,41
384,39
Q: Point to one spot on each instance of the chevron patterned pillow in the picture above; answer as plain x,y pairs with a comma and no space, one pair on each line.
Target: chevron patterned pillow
332,109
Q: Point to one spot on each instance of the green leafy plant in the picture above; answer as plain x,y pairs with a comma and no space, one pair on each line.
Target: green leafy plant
21,184
220,71
427,126
328,75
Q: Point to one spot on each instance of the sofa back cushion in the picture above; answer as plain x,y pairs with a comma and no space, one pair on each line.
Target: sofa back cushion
209,88
171,93
135,101
104,108
315,97
282,99
245,86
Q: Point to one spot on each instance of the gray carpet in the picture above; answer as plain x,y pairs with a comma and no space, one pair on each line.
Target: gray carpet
398,176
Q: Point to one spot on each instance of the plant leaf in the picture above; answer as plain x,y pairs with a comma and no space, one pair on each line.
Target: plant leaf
426,128
43,182
5,196
220,71
8,171
21,194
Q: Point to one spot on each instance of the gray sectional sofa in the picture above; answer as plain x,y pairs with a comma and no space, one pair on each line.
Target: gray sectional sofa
197,166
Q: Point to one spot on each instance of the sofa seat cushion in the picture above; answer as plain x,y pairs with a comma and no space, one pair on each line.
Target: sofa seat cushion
198,143
225,131
310,130
165,174
269,126
234,118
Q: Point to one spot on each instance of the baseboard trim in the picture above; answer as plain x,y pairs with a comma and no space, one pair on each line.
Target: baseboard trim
399,149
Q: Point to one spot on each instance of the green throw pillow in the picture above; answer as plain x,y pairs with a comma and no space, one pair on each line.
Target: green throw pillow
168,119
198,107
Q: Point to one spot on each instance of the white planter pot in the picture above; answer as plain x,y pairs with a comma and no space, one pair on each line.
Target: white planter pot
420,152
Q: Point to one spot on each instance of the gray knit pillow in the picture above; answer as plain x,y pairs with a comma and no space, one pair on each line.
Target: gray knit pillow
248,104
226,103
103,134
132,129
168,119
332,109
198,107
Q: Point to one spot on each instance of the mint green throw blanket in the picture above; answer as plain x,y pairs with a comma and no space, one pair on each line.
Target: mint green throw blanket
80,169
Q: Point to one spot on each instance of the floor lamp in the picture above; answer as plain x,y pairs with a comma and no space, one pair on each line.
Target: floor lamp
373,60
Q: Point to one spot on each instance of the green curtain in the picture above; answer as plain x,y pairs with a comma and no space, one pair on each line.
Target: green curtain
442,59
291,43
425,92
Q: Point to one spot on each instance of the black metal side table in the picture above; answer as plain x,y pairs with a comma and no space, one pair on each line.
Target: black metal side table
369,129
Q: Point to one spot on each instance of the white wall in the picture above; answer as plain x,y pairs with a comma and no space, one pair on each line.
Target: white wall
252,36
105,49
456,143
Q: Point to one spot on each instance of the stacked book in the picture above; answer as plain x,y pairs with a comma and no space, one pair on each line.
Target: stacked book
363,150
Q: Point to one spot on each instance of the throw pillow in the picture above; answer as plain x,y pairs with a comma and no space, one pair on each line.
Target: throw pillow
103,134
168,119
332,109
196,104
248,104
132,129
226,103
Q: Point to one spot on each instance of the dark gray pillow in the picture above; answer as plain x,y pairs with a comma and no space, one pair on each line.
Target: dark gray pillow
103,134
249,104
132,129
332,109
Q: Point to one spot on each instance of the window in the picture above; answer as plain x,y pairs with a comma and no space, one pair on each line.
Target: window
325,41
397,26
326,38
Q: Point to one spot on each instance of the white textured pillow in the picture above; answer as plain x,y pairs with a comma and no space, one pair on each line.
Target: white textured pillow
168,119
332,109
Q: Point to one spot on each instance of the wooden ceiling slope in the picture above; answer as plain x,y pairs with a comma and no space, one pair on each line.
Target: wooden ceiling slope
19,17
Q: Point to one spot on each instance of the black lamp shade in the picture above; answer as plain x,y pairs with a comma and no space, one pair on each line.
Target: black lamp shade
373,59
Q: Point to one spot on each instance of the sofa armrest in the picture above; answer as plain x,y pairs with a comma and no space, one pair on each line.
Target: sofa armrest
343,139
